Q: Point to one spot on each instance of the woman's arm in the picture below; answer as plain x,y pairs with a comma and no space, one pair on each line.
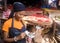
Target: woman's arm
7,39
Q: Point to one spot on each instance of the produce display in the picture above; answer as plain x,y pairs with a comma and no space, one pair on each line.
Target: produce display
41,19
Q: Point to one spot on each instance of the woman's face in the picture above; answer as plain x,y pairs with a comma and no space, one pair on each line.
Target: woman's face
20,14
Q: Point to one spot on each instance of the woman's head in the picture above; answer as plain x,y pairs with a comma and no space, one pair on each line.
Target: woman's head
19,9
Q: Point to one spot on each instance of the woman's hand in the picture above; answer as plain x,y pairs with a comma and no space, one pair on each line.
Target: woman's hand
21,36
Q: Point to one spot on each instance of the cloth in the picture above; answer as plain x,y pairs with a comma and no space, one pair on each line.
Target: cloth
13,32
7,25
18,6
14,28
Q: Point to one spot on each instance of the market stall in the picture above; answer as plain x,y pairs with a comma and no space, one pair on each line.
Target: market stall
55,15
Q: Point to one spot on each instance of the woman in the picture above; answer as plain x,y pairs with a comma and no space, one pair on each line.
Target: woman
14,28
